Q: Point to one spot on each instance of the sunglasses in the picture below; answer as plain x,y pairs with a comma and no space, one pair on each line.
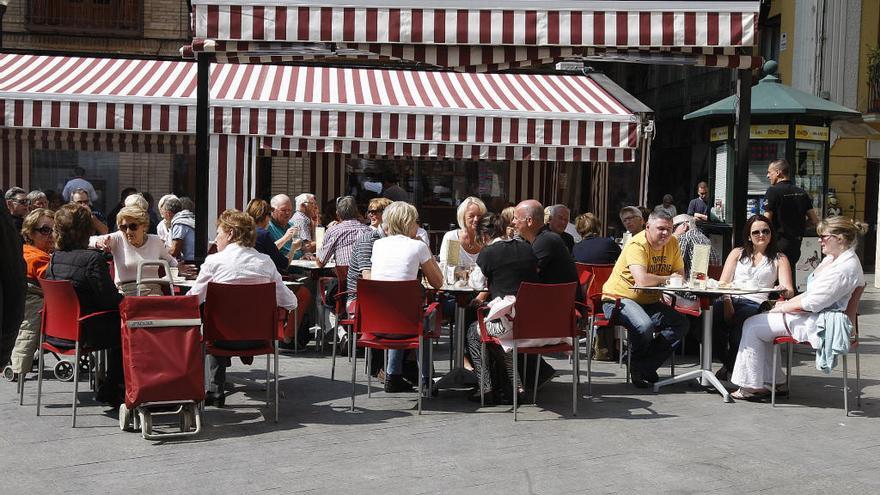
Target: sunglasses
825,237
761,232
132,227
374,212
45,230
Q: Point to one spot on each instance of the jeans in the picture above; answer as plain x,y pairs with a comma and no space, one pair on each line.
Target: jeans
395,360
729,334
642,320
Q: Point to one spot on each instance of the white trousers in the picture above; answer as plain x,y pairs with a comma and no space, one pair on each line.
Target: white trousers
755,359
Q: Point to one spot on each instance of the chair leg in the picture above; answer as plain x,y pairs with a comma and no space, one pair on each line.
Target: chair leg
788,367
773,379
575,376
276,381
590,330
354,360
268,381
515,370
845,388
858,380
335,341
368,357
75,382
421,373
482,372
628,360
21,378
535,389
620,338
40,373
672,363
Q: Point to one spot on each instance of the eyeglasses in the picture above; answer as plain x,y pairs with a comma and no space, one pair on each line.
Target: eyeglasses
764,232
825,237
83,202
22,201
374,212
132,227
45,230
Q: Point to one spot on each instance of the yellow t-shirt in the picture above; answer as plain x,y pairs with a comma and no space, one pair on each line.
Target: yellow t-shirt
638,252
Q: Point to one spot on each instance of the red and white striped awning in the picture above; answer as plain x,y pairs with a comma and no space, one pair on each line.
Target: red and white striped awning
471,35
436,114
103,94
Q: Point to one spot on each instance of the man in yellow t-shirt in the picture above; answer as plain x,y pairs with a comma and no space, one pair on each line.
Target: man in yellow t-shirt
648,260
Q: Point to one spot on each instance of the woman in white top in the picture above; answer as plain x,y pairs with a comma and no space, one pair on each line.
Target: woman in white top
829,287
164,227
399,256
469,214
130,245
760,261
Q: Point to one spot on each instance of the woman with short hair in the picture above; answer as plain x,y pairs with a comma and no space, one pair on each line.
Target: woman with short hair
164,228
829,289
399,256
593,248
89,273
469,214
130,245
39,240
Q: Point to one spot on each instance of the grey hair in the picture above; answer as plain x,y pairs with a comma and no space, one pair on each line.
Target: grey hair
35,195
165,199
630,209
555,209
173,205
346,208
659,215
187,203
14,191
137,199
80,190
278,200
303,199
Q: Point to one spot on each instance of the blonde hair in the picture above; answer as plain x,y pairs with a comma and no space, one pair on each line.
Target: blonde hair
378,204
32,220
137,199
240,226
845,227
462,209
136,213
587,224
398,217
259,209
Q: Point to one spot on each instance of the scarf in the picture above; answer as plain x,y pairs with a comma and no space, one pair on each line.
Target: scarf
184,217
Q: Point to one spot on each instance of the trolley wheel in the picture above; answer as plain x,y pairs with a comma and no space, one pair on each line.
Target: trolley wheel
125,418
85,366
9,374
146,423
187,419
64,371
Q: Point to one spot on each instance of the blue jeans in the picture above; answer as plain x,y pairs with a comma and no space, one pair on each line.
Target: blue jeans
642,321
729,334
395,361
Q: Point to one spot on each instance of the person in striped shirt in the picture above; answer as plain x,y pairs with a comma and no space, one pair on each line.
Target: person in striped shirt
339,239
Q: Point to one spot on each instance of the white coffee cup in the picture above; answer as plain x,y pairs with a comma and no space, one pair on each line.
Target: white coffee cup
675,281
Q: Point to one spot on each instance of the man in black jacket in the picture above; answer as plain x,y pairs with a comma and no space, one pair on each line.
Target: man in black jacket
12,285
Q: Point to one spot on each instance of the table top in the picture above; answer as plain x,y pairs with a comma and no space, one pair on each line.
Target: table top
311,264
189,283
709,292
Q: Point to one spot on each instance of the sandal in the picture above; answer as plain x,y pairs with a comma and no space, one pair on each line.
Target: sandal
756,396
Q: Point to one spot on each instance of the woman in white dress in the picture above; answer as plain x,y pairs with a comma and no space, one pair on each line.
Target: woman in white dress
829,287
760,261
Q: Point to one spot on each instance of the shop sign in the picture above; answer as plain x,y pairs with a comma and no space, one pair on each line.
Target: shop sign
811,132
718,134
769,132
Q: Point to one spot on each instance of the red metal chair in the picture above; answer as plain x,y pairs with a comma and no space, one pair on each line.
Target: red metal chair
240,312
599,274
339,307
546,311
393,308
852,311
63,319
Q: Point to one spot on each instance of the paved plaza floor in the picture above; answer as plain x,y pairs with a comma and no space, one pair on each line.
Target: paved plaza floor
680,440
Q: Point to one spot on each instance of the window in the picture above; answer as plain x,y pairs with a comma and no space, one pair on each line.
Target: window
89,17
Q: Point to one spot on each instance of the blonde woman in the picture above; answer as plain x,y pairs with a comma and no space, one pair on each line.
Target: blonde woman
469,214
829,288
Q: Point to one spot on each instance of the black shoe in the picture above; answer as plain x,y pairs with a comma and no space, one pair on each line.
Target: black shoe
396,383
215,399
651,376
639,380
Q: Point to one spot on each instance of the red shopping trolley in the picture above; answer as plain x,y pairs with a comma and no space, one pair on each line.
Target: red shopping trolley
162,360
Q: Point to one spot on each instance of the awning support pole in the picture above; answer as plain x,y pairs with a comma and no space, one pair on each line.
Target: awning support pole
743,119
203,64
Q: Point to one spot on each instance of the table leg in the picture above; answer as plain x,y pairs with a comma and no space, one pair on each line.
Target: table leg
458,375
704,374
460,332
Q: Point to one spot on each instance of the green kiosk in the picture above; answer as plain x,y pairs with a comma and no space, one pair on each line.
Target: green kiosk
786,123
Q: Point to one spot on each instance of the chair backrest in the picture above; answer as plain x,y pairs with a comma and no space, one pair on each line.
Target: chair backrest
601,274
544,311
585,277
852,308
389,307
61,310
240,312
715,271
342,276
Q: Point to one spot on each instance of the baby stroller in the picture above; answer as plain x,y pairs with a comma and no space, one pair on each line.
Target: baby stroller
162,359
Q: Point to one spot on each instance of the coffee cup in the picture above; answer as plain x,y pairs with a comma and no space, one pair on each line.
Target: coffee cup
675,281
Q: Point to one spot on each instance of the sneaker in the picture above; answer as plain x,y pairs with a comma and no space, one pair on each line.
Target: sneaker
396,383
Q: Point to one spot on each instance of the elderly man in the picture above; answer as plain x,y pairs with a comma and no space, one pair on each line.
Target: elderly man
305,219
557,218
182,233
647,260
684,228
81,197
37,199
340,238
633,222
17,204
281,229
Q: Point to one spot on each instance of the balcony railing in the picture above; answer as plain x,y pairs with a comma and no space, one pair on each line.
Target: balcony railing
122,18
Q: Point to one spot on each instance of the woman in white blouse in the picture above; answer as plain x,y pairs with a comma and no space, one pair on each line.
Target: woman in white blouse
130,245
469,214
759,261
829,287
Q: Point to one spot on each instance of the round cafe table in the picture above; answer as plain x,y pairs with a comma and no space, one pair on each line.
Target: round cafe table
704,375
458,375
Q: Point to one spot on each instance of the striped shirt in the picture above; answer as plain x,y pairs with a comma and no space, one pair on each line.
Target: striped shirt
361,256
339,240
